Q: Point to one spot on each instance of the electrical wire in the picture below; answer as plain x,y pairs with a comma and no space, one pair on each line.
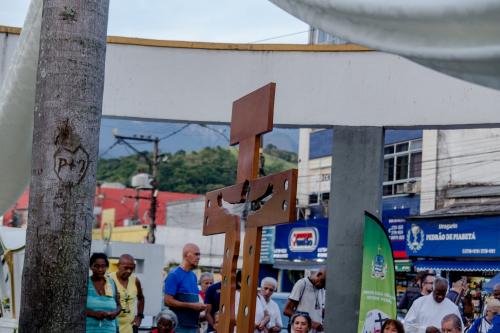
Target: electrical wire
216,131
108,149
280,36
174,132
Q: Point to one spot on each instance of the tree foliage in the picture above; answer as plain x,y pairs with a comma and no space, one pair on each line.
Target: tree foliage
194,172
288,156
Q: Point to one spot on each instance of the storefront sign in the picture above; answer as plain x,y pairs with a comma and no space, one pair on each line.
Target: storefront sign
302,240
394,222
267,245
458,237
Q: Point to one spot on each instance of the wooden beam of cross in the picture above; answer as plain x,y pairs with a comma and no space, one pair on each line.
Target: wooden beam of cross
267,201
217,221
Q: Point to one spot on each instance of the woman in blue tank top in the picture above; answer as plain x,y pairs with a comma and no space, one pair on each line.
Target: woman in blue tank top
103,304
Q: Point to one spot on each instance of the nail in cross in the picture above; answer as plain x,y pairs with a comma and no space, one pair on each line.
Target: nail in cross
266,201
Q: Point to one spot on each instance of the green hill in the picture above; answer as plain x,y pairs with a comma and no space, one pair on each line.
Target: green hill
194,172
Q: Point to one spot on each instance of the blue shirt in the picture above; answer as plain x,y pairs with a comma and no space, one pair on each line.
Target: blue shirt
180,281
496,325
212,297
182,286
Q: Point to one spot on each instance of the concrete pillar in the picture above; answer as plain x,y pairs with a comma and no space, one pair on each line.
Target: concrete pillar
357,170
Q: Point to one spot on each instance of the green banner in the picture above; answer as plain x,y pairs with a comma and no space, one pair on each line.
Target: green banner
378,294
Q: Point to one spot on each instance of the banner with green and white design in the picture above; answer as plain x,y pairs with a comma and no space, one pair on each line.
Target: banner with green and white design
378,294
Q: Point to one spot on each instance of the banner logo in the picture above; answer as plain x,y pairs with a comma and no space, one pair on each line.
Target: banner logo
374,320
415,238
303,239
379,267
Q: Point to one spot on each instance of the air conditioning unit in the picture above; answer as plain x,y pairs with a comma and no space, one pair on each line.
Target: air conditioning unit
411,187
141,181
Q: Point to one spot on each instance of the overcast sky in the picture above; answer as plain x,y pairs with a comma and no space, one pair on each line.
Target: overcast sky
235,21
238,21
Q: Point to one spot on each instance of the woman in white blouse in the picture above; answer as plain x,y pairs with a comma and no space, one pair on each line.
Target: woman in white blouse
267,312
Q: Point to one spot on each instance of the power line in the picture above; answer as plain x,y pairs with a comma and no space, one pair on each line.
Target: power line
216,131
174,132
108,149
280,36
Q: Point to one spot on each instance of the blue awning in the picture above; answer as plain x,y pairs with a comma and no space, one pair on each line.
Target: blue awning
491,283
463,266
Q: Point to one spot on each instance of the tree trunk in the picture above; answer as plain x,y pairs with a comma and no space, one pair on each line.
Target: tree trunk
68,106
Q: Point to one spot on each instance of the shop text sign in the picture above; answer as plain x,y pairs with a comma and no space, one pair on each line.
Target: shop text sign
267,245
459,237
394,222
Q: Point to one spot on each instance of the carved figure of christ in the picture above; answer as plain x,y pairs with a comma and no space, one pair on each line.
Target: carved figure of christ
265,201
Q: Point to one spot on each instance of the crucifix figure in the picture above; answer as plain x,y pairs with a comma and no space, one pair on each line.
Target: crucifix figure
265,201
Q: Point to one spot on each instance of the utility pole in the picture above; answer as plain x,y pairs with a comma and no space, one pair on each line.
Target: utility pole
154,193
153,163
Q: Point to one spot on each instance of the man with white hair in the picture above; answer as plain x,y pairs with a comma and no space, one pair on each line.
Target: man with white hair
431,309
496,319
485,323
267,312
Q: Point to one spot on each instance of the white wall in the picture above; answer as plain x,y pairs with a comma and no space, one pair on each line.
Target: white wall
303,184
429,170
7,48
311,171
149,269
184,225
313,88
457,158
469,157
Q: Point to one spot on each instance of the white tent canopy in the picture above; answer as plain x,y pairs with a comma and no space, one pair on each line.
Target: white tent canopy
458,37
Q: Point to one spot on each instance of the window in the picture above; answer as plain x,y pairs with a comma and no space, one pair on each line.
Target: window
416,165
320,143
402,167
313,198
402,164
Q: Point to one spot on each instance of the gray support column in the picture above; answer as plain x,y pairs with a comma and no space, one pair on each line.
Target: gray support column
357,171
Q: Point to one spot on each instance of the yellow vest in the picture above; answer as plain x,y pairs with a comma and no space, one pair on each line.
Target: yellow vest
128,301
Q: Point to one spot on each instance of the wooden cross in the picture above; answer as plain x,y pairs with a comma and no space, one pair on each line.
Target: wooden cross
267,201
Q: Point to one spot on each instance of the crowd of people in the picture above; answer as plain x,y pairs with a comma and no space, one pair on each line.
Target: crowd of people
432,306
197,308
115,302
